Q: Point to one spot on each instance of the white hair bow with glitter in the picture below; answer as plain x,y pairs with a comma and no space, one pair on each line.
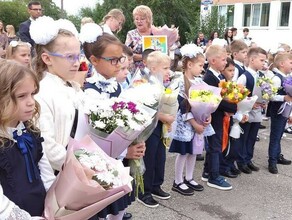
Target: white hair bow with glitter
45,29
90,32
191,50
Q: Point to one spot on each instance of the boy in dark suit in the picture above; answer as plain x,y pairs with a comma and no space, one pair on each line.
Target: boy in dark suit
216,56
256,59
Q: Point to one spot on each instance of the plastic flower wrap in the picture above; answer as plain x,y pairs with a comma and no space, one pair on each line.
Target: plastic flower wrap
233,92
286,107
115,123
265,89
169,105
243,108
147,90
171,33
204,100
89,181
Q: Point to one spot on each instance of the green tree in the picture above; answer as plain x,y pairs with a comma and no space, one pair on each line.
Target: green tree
181,13
207,24
14,12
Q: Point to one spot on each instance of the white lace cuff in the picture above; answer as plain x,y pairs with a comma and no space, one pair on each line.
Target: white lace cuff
18,214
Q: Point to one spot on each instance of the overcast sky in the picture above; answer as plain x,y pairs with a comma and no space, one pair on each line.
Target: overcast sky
72,6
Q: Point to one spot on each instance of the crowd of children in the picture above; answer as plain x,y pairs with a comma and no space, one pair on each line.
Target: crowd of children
41,104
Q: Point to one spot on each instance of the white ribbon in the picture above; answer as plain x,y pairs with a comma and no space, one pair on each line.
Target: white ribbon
285,109
236,130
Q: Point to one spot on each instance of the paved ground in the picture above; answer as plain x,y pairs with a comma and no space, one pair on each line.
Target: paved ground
260,195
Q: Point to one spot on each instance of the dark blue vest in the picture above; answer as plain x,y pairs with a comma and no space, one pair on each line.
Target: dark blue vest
273,107
249,82
29,196
241,69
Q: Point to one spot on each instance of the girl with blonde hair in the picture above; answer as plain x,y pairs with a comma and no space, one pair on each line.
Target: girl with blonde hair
20,52
113,21
25,173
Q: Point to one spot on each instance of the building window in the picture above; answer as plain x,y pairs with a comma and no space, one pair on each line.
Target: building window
256,15
227,11
285,12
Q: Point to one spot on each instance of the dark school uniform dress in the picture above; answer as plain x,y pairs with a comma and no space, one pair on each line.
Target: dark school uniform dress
20,174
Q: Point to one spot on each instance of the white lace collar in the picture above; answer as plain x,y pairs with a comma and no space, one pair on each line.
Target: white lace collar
18,128
105,85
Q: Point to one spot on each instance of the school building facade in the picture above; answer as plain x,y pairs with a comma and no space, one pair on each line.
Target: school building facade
269,21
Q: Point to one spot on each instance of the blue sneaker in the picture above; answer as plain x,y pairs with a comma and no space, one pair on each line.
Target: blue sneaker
219,183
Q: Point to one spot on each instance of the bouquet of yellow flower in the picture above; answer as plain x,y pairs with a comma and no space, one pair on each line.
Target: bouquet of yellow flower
204,100
265,89
233,92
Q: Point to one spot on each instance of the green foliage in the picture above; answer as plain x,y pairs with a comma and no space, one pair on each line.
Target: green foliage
207,24
184,14
15,12
181,13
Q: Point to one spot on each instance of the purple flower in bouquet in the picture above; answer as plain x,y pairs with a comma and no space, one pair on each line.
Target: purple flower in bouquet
287,85
267,88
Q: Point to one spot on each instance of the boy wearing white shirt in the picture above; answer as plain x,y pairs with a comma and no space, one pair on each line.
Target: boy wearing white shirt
239,54
283,64
256,59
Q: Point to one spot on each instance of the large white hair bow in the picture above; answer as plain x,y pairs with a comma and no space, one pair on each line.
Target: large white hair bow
45,29
191,50
90,32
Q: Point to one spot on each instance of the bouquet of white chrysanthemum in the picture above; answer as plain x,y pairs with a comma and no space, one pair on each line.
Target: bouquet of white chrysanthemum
115,123
89,181
147,90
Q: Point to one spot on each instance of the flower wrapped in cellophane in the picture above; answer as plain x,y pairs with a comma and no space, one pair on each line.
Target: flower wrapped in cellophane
171,33
115,123
89,181
147,90
286,107
169,105
243,108
204,100
265,89
233,92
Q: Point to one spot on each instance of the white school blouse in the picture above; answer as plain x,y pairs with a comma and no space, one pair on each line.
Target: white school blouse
58,103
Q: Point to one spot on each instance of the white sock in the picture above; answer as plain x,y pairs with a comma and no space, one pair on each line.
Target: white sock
179,167
190,167
118,216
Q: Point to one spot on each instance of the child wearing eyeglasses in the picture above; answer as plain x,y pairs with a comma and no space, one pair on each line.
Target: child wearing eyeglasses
57,63
105,52
20,52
